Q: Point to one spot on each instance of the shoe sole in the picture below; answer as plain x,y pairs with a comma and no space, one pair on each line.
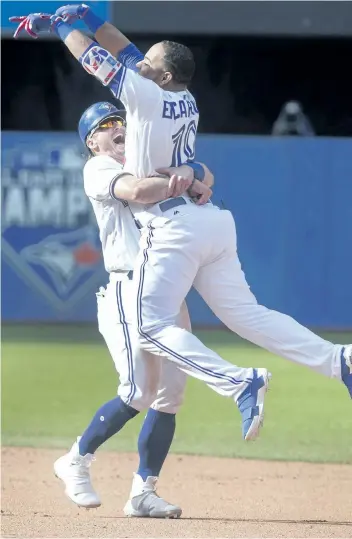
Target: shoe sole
258,421
132,513
90,506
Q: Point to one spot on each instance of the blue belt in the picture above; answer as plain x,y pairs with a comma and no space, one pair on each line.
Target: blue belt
172,203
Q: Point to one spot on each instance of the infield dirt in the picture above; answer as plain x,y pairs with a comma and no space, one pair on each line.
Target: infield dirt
219,497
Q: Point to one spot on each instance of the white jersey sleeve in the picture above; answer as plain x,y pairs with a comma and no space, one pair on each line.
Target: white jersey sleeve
135,92
118,231
100,175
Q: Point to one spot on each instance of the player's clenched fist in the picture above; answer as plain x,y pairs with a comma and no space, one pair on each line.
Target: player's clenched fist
72,12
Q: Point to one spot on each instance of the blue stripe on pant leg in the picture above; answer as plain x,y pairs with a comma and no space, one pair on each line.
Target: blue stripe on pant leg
159,344
127,341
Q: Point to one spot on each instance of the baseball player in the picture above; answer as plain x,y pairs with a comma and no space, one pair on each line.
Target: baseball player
102,130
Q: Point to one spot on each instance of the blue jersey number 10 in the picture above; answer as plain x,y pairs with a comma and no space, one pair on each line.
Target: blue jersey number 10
184,144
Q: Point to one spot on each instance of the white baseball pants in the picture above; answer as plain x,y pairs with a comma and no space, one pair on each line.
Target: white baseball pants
197,246
145,380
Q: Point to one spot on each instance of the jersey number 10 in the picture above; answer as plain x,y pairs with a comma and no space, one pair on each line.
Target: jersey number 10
184,144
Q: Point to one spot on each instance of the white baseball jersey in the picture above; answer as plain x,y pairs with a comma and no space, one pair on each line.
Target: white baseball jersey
161,129
161,125
119,234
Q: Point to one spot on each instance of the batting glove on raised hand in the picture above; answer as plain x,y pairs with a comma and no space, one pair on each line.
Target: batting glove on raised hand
33,24
71,13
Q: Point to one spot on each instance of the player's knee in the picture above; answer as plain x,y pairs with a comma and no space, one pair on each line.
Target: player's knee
135,397
139,396
170,397
171,406
142,401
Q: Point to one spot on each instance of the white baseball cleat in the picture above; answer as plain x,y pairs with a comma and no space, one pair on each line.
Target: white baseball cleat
144,501
73,470
251,404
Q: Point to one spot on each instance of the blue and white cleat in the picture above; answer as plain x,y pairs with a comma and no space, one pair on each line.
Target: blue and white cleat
346,367
251,404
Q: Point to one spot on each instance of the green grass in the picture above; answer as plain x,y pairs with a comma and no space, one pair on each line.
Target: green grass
54,378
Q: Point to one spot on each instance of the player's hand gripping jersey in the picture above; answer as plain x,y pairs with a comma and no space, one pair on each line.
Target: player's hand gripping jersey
162,125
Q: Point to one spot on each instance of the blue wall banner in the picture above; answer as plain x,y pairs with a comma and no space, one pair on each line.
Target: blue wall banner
291,199
50,246
11,8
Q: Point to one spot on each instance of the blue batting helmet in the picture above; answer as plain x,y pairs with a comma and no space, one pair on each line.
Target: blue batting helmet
94,115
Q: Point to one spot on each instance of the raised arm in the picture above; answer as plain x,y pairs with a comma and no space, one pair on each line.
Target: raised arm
107,35
125,84
76,42
135,92
116,42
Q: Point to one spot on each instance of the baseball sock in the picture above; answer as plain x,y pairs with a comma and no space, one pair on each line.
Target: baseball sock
154,442
108,420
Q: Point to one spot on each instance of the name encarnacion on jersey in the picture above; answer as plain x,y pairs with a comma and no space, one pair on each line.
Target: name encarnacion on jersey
184,108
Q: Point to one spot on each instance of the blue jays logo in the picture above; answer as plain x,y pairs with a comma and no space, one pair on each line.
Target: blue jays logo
50,239
107,106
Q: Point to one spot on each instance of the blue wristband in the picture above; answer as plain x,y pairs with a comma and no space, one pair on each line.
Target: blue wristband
199,172
130,56
62,29
92,21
